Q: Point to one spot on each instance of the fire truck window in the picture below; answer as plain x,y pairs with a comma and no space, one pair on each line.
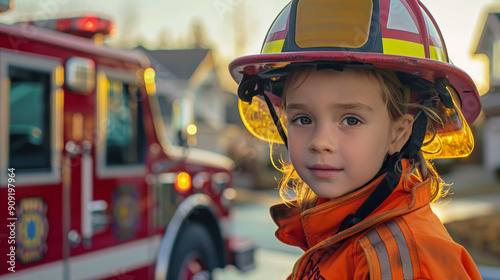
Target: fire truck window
29,127
126,141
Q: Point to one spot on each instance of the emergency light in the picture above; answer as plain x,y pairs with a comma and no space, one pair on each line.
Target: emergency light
85,26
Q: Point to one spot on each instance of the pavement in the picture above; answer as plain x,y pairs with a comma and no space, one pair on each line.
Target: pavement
470,179
474,192
270,264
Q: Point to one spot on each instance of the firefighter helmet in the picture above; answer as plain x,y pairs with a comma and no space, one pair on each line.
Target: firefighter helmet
398,35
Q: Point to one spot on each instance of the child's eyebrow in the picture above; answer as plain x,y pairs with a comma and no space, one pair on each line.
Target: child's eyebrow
357,106
352,106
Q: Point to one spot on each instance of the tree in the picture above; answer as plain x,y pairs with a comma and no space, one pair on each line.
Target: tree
198,33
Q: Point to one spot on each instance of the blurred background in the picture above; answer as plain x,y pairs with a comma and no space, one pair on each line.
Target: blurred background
190,43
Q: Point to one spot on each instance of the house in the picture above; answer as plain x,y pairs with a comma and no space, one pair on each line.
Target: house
489,45
190,75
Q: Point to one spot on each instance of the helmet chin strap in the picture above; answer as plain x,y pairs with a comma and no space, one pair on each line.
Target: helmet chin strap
391,167
276,120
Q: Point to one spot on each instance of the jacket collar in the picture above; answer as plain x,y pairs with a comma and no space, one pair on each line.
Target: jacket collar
310,227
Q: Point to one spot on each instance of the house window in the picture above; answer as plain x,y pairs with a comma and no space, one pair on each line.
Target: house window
166,106
495,65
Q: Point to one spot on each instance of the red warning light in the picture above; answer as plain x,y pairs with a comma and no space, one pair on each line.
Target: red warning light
86,26
87,23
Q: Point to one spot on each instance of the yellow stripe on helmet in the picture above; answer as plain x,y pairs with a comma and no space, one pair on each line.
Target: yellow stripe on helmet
273,47
437,53
400,47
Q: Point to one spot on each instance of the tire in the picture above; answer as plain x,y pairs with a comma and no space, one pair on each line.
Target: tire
193,254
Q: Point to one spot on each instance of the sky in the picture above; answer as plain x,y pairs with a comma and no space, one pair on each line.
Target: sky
460,21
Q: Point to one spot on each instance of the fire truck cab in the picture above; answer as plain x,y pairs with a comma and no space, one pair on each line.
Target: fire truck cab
91,186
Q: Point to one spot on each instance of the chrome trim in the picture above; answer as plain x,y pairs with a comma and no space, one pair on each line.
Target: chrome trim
49,65
87,193
66,215
203,157
74,239
183,212
78,68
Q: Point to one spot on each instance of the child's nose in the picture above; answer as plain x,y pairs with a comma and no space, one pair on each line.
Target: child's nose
323,140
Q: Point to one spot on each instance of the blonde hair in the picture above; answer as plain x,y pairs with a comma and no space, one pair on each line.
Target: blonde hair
397,100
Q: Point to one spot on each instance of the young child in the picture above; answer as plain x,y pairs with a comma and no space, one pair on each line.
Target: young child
363,95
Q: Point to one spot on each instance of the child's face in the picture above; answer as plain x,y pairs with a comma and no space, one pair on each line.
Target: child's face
339,130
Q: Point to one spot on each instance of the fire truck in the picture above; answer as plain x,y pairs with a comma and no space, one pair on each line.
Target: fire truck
90,186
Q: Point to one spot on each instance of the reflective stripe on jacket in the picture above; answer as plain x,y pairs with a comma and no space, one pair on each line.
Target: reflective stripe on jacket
401,239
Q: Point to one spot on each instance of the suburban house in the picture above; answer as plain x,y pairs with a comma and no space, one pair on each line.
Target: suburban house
190,75
489,45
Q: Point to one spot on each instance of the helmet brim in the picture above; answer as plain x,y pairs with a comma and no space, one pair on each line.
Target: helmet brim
424,68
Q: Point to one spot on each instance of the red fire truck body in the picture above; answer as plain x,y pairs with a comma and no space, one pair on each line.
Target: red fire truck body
89,184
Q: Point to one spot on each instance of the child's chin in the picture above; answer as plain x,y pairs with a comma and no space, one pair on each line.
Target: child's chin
329,194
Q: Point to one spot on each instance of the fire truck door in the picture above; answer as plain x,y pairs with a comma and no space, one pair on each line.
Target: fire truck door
78,204
31,106
113,217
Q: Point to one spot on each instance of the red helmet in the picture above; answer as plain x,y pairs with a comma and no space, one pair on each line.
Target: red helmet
398,35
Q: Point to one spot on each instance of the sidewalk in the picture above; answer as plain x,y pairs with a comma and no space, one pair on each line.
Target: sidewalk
473,193
263,197
470,180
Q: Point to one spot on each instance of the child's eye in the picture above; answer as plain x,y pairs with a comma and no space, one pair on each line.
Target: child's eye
302,120
350,121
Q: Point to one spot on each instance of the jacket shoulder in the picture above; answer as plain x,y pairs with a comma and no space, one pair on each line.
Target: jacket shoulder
390,255
397,249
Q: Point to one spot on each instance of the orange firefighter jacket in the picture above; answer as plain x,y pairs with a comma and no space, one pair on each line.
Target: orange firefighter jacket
401,239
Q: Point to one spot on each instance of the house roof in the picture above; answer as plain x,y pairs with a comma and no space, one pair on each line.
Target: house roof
490,32
182,63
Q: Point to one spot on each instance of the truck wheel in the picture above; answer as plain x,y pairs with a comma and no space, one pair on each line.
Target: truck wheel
194,255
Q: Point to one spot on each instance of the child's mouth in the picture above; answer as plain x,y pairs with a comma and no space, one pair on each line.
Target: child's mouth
323,171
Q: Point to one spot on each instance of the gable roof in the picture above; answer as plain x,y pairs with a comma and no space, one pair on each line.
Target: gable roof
182,63
490,32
